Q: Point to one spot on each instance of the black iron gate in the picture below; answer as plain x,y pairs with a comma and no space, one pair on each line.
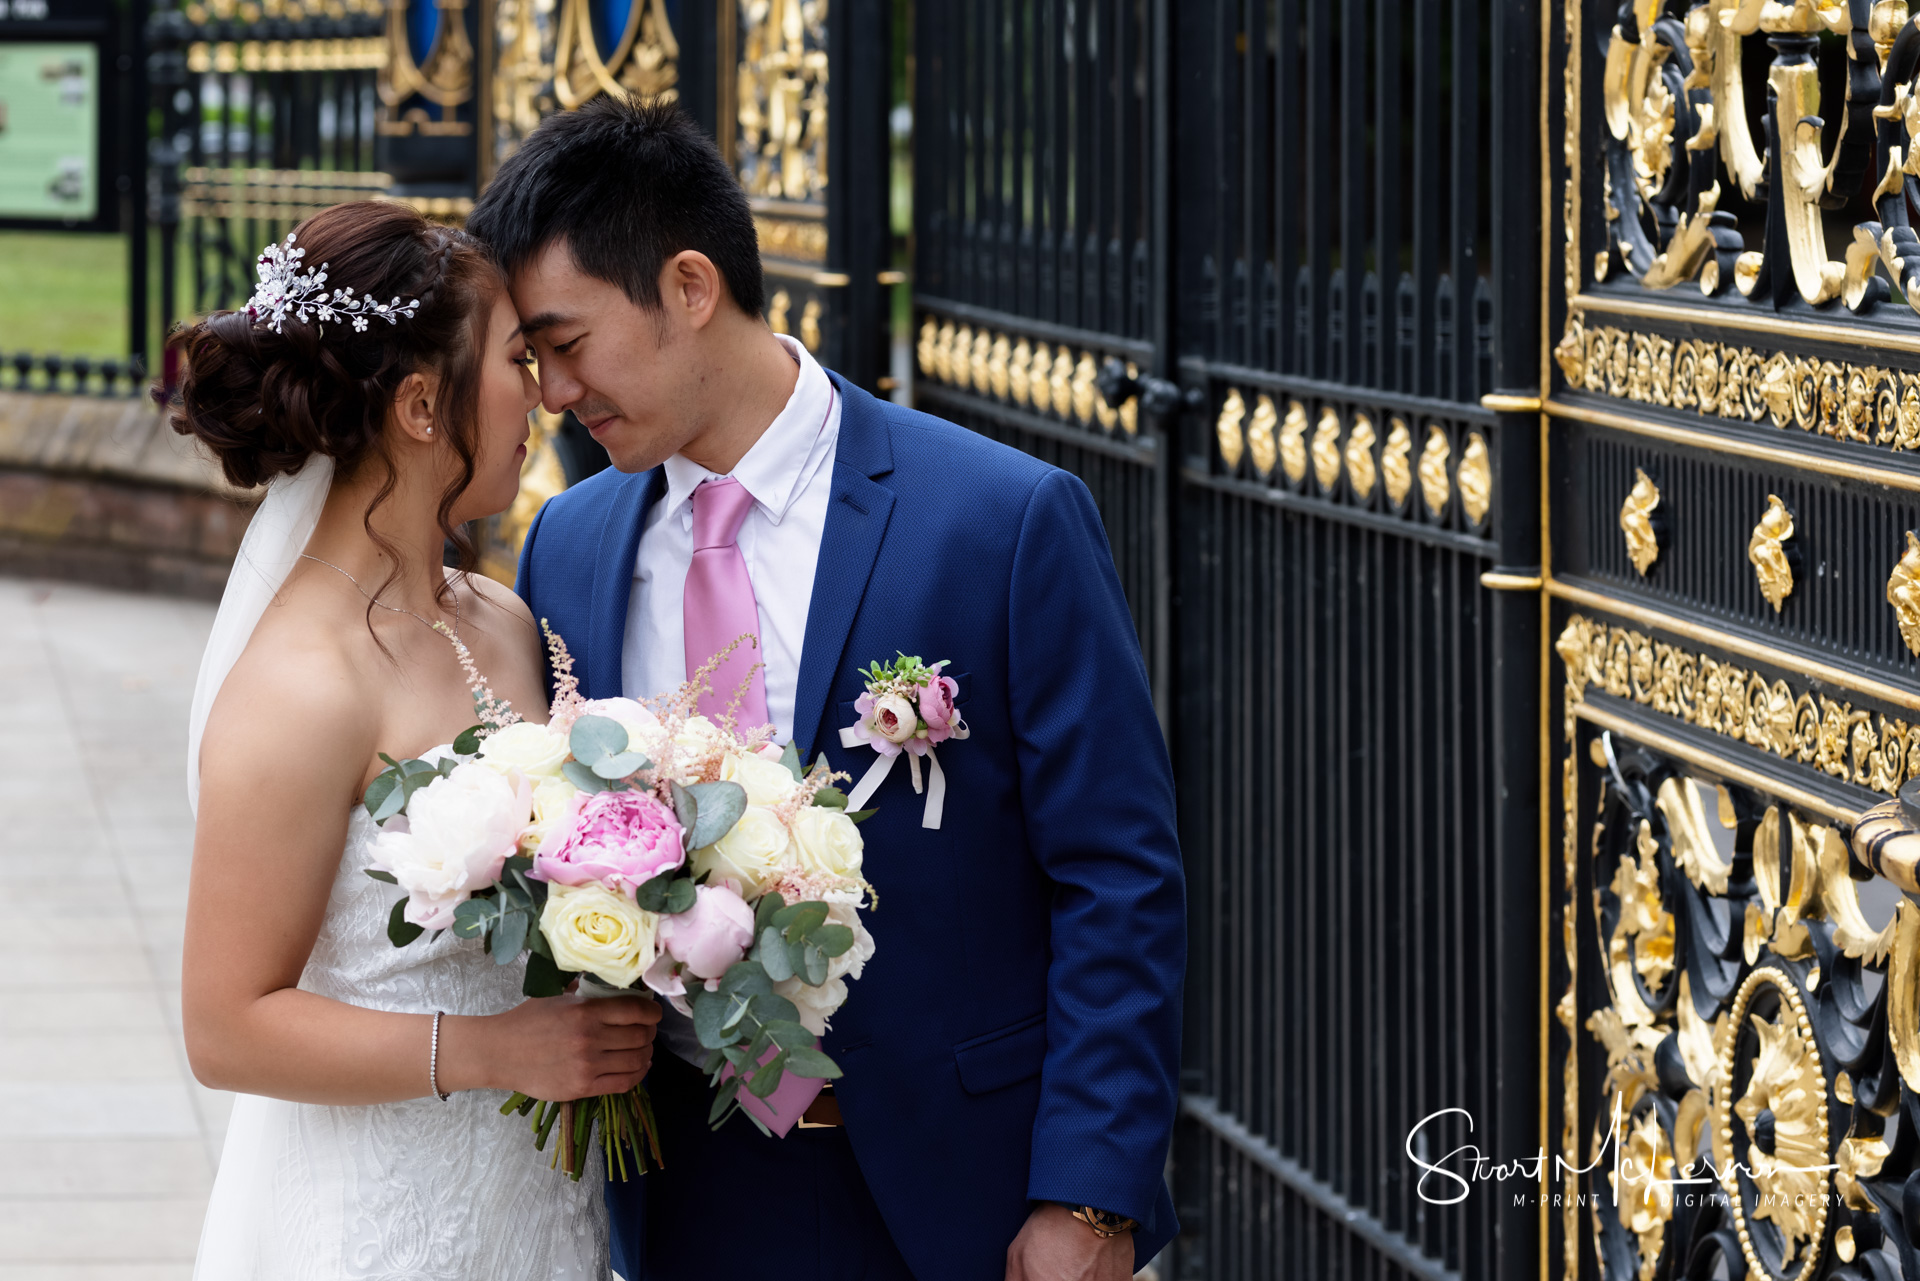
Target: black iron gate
1264,275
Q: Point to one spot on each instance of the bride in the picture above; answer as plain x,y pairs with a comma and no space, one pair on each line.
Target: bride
366,1140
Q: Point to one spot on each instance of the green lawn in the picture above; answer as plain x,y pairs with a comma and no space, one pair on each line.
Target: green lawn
66,293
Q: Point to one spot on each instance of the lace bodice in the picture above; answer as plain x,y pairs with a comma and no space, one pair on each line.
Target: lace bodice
417,1189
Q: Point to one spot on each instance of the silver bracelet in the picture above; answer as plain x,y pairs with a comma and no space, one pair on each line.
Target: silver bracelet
433,1060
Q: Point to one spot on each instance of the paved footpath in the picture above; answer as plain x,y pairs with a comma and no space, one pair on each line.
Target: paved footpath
107,1144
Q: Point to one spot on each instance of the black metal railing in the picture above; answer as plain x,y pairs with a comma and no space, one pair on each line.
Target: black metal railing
75,375
1301,305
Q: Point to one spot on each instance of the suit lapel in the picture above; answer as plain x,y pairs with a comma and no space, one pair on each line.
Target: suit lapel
857,516
613,580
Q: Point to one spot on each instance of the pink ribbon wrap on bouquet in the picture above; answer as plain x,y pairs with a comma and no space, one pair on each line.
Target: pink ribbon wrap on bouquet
790,1099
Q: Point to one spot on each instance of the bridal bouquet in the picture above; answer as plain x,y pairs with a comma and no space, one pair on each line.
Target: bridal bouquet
634,846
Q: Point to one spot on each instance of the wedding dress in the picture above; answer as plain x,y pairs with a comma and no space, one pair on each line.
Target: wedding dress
418,1189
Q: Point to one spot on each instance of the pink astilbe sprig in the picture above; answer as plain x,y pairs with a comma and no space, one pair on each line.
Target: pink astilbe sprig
495,713
566,686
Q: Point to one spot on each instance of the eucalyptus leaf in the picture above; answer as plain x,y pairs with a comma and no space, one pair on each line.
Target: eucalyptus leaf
680,896
801,919
797,957
685,809
736,1010
412,783
510,935
413,768
717,807
807,1061
473,917
767,1079
816,966
833,940
467,743
709,1013
773,955
383,797
380,875
764,910
744,978
652,894
861,816
391,763
582,777
722,1100
447,766
830,798
790,757
771,1007
620,766
518,863
789,1034
596,737
537,944
401,931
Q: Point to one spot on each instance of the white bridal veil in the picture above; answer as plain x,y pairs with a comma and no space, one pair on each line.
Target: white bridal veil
274,540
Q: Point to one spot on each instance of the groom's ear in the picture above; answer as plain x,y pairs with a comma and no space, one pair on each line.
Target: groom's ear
691,288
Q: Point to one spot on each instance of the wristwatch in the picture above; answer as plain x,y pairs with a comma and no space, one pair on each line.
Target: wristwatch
1104,1223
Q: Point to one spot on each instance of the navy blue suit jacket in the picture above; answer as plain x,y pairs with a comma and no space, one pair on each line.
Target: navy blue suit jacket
1016,1037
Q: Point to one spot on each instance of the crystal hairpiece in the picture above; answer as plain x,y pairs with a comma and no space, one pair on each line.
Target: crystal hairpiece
287,291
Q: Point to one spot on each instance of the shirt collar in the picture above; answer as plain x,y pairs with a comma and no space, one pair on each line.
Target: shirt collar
773,469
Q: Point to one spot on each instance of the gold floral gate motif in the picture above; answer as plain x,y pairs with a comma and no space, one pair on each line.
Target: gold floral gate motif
1731,415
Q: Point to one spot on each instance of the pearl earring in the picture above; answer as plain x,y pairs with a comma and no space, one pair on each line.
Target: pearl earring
429,431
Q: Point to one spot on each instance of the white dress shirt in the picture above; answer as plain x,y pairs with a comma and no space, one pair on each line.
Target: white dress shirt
789,472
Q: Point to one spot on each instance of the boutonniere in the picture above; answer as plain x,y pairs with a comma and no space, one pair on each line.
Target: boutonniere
908,710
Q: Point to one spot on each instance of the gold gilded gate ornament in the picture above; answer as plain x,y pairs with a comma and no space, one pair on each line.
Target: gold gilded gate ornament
1636,522
1435,486
1326,448
1260,438
1360,470
1766,549
1227,429
1293,442
1394,467
1903,593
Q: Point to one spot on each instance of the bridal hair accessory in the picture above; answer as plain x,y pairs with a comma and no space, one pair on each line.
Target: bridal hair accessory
287,291
908,709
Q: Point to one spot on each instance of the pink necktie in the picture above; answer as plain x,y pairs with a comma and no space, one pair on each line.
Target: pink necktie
719,604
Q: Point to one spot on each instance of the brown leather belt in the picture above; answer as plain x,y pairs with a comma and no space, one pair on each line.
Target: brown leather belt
823,1113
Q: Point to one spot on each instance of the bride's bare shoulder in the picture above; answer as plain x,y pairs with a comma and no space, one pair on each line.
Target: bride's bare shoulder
478,588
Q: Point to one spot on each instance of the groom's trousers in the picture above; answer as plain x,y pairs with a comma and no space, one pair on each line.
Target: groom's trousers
735,1194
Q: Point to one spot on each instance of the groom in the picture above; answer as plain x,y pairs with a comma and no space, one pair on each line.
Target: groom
1011,1054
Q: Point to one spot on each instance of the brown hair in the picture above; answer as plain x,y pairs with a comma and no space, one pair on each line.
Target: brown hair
264,401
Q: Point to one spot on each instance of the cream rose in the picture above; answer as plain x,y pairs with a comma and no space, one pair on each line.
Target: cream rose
827,842
850,963
767,782
595,931
753,853
532,749
550,799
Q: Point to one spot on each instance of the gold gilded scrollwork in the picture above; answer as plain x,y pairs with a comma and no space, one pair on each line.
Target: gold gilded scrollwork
1293,443
1040,380
1326,448
1636,522
1831,735
1394,467
1226,429
445,76
1360,469
1767,551
1903,592
645,63
999,376
1083,397
1060,381
780,87
1476,479
1435,486
1261,443
1781,1143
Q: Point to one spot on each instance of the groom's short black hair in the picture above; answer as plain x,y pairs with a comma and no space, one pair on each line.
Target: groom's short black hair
626,186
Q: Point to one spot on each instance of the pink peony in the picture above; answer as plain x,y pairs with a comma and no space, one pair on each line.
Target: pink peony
619,839
712,934
936,705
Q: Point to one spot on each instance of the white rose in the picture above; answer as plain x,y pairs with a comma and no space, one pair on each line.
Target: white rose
851,962
550,799
827,842
697,740
594,930
752,853
457,832
532,749
767,782
815,1004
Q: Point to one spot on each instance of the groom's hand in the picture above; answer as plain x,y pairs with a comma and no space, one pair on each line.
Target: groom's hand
1055,1246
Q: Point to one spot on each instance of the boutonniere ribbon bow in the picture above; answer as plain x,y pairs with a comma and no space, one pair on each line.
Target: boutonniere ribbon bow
908,710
